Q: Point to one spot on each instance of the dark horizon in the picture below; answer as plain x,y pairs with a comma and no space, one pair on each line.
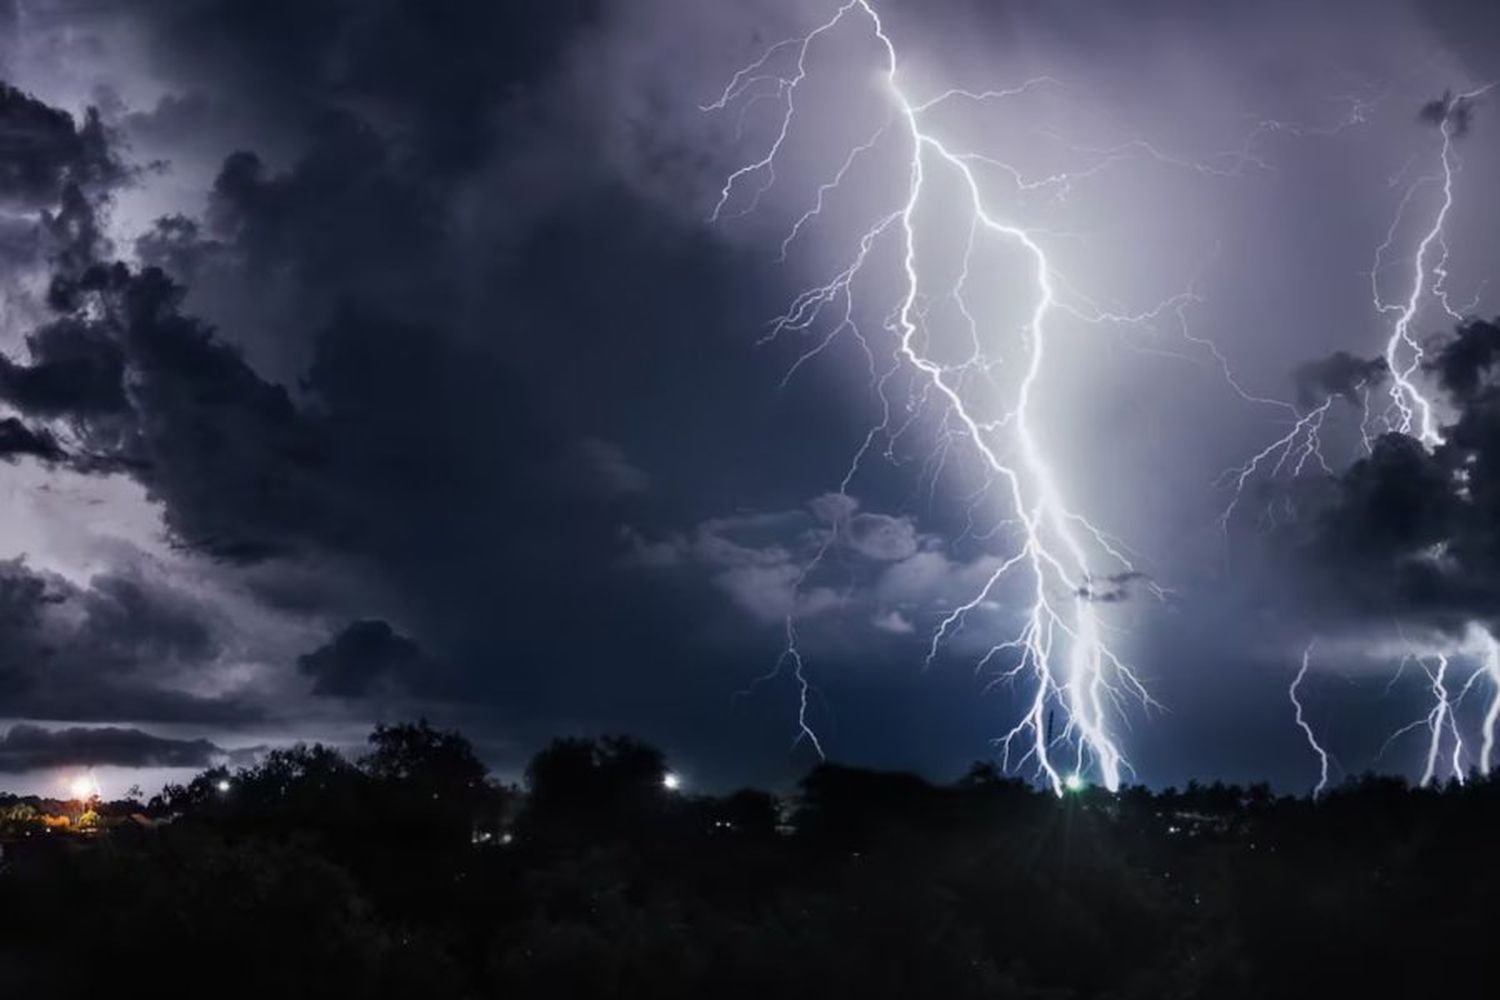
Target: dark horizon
404,872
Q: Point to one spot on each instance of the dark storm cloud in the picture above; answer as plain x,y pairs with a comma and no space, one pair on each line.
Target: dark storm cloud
345,217
43,152
111,650
225,450
400,422
18,440
243,472
410,446
53,175
364,655
32,748
1464,363
436,72
1457,113
74,370
1415,532
1339,374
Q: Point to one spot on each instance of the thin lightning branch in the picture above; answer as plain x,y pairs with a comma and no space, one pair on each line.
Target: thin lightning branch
1307,730
1412,412
1491,660
804,690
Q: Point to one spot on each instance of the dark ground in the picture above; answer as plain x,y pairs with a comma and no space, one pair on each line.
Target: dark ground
408,873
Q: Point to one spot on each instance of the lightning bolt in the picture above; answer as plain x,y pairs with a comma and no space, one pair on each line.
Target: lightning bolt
1061,561
1411,412
1415,412
1441,716
1410,408
1060,645
1307,730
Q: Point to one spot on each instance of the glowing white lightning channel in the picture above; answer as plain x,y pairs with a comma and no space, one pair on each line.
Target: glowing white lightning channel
1440,716
1307,730
1413,413
1403,353
1490,652
1061,644
1063,561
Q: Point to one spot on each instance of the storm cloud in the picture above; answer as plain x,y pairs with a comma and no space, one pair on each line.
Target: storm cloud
32,748
365,654
1411,533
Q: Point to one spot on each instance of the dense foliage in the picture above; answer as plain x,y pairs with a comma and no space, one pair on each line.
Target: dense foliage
409,873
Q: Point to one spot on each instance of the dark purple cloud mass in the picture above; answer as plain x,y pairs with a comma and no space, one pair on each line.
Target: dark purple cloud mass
367,359
31,748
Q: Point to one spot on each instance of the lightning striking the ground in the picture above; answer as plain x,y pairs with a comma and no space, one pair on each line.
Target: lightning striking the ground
1412,412
1061,561
1061,567
1302,723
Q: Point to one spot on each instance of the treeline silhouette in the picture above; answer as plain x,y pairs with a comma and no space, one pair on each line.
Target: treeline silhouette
410,873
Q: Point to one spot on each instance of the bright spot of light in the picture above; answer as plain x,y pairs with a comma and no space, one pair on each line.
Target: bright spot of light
671,781
1074,782
83,786
223,785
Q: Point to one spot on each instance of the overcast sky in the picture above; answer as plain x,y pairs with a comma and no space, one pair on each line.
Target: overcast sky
365,360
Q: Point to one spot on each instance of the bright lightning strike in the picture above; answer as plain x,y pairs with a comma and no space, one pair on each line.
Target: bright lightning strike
1403,353
1307,730
1065,561
1411,412
83,787
1491,661
1441,716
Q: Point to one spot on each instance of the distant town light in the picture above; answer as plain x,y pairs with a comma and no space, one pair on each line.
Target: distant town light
1073,782
671,781
223,785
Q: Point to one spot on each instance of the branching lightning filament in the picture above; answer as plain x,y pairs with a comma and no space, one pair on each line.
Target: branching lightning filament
1061,562
1302,723
1410,412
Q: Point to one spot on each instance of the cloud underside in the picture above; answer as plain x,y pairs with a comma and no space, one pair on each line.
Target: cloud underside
33,748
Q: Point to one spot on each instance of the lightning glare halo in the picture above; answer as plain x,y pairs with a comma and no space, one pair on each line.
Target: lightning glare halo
1064,563
1412,412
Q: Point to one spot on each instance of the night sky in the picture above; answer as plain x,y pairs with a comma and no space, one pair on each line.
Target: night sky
363,360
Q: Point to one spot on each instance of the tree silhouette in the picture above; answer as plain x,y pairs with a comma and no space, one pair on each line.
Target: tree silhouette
308,874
